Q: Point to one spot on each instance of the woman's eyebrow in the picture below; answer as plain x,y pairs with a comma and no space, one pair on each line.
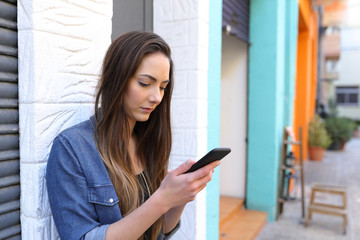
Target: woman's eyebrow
152,78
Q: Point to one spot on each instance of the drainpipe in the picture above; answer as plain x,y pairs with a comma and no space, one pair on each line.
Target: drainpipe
320,61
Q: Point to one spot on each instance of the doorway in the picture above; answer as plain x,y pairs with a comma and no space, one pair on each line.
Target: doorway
233,127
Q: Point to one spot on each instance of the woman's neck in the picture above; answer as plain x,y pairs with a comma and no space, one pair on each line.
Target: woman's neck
138,168
132,126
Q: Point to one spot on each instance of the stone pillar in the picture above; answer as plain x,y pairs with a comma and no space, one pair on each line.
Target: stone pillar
61,47
185,26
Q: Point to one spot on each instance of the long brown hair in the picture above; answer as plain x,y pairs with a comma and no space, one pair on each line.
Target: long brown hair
112,127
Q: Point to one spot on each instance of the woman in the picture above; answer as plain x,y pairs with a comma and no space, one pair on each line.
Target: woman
107,177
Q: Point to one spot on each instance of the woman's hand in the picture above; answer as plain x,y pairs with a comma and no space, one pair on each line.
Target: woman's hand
175,191
177,188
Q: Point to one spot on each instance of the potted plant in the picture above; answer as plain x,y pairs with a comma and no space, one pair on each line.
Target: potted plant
318,138
340,130
357,129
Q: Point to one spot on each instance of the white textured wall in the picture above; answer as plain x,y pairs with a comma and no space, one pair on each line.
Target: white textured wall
61,47
184,24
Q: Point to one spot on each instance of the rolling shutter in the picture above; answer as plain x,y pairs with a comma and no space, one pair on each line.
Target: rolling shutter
236,18
9,128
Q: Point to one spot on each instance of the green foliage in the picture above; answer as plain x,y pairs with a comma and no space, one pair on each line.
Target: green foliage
357,124
318,136
333,112
340,129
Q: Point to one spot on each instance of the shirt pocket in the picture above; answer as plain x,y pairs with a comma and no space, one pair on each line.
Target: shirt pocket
106,202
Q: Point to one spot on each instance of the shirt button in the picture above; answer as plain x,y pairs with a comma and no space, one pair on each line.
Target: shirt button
111,200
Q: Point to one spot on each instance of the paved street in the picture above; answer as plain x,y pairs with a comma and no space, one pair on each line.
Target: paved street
337,168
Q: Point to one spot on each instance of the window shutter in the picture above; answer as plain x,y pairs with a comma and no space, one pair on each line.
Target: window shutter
236,18
9,119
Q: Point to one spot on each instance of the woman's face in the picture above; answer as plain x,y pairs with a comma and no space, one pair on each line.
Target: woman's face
146,88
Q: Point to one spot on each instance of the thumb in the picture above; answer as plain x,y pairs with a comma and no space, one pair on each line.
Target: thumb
183,167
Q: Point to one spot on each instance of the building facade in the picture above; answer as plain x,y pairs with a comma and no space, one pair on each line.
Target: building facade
346,88
230,90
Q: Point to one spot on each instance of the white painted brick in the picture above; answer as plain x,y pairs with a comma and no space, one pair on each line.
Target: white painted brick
197,84
191,58
77,19
25,15
189,229
26,65
34,200
40,123
184,113
196,143
175,34
201,214
198,33
163,12
186,58
192,84
188,225
202,144
191,144
202,114
203,85
180,84
66,69
38,228
66,52
178,146
204,10
176,161
68,55
185,9
203,54
61,47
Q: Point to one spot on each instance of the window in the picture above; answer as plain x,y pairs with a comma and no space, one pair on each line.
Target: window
332,66
347,96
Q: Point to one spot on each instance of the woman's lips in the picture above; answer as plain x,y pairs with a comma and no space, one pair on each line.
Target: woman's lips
148,110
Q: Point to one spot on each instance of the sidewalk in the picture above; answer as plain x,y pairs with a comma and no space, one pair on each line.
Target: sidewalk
337,168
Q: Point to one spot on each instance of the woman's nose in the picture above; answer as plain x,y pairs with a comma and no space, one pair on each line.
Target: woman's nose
156,96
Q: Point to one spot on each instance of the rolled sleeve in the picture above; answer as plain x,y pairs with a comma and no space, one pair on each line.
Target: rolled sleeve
172,232
97,233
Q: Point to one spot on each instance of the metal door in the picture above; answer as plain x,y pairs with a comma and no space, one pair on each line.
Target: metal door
134,15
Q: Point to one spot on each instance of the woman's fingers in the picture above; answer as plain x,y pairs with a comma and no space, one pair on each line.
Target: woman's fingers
183,167
202,172
182,188
202,182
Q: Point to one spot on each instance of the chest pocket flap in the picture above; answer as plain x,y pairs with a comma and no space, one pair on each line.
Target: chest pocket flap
103,195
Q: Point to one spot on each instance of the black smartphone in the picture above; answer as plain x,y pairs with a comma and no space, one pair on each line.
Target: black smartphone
213,155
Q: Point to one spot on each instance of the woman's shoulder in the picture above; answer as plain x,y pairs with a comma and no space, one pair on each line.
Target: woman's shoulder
76,145
84,129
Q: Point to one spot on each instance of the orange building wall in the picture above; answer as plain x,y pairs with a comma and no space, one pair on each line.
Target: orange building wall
306,72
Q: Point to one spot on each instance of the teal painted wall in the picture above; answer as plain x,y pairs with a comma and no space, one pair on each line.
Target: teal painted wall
292,22
266,107
213,130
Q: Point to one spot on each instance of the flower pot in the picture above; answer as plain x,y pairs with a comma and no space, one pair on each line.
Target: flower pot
342,145
356,133
316,153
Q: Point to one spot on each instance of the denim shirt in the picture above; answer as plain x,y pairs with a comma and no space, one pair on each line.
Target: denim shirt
82,197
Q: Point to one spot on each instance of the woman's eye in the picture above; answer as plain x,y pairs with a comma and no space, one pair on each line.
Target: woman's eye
143,84
163,88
